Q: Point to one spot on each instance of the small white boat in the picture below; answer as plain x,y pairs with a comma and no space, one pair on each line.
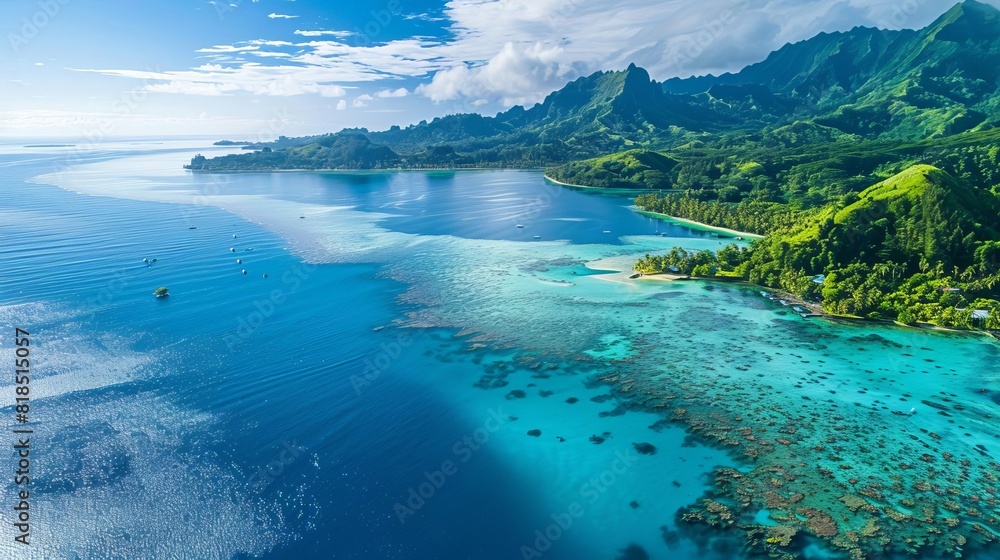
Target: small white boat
244,271
239,261
538,237
265,275
520,226
607,231
234,236
232,249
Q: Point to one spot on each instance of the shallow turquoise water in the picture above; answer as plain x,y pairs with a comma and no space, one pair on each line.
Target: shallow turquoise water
403,314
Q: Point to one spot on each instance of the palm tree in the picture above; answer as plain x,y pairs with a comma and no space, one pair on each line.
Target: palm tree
881,269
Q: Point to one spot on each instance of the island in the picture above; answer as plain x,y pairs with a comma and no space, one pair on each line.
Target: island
919,247
232,143
868,161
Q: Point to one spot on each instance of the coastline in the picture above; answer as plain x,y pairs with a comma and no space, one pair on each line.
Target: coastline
698,225
355,171
623,277
684,221
601,189
815,309
560,183
661,277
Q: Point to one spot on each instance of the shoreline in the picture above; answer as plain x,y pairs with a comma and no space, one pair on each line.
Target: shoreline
560,183
816,310
385,170
683,221
698,225
607,190
662,277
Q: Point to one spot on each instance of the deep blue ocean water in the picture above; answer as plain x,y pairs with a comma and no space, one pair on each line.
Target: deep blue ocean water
298,415
268,377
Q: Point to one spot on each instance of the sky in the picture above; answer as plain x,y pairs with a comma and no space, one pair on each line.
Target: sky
257,69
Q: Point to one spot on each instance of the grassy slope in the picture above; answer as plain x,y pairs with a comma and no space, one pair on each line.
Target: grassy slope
635,169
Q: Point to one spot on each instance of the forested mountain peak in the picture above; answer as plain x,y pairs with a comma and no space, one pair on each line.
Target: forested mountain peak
967,20
863,83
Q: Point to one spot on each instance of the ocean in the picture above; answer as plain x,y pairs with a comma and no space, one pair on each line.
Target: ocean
384,365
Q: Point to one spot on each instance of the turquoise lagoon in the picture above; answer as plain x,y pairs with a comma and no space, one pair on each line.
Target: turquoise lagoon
417,377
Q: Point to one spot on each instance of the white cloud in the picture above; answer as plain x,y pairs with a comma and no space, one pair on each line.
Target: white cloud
266,43
316,66
251,77
39,64
517,51
322,32
191,88
386,93
227,49
362,100
515,74
271,54
341,105
424,17
43,121
280,16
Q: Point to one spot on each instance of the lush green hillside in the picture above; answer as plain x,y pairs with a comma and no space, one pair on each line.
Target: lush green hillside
736,182
638,169
905,84
919,246
869,156
345,151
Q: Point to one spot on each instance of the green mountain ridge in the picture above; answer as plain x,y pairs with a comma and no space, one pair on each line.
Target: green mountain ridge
869,156
904,84
875,84
597,114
